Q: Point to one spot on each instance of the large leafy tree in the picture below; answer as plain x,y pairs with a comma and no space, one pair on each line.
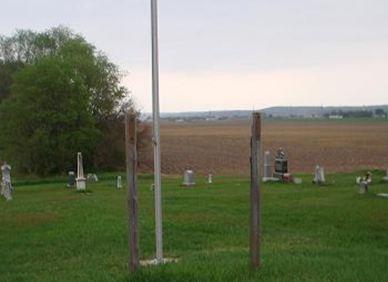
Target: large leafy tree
60,96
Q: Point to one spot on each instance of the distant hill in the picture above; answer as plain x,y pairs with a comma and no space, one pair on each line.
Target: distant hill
283,112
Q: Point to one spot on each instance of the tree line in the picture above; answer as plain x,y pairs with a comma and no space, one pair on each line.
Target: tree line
60,95
357,113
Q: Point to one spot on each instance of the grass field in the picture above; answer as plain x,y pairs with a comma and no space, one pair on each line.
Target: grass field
223,146
49,233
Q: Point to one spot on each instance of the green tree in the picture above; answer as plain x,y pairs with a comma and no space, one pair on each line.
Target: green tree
62,96
48,118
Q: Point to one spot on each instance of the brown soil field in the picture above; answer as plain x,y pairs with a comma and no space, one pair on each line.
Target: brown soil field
223,147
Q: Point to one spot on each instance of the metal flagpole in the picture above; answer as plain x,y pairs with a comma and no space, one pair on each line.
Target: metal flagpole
156,135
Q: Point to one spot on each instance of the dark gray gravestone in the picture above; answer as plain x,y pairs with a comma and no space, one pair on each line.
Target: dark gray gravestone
281,164
71,179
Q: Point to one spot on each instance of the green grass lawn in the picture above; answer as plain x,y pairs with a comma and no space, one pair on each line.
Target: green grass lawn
310,233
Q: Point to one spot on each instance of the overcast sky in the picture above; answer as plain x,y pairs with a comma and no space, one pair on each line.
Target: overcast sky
229,54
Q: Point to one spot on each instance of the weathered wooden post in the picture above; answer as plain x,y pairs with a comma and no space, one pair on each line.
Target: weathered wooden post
131,161
255,235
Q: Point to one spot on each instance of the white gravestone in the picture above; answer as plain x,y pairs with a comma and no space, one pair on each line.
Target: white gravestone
210,178
319,175
6,186
188,178
80,180
92,177
118,182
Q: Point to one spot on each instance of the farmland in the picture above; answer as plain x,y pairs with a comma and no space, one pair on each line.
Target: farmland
223,146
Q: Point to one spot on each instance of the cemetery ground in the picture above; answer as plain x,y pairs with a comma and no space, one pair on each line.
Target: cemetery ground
310,233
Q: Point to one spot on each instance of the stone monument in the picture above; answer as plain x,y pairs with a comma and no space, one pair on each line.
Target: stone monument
281,164
188,178
319,175
6,186
80,180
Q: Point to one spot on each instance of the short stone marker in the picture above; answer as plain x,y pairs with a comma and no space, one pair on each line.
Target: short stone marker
319,175
80,180
118,182
188,178
92,177
6,186
384,195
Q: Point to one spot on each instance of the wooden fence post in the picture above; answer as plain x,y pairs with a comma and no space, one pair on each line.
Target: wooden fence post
131,162
255,235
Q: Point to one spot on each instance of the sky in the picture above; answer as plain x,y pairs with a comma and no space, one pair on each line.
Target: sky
228,54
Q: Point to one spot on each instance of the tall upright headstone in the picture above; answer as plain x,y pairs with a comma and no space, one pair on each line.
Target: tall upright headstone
80,180
118,182
267,175
6,186
210,178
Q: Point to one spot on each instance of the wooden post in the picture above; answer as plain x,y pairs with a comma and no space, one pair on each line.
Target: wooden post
255,192
131,161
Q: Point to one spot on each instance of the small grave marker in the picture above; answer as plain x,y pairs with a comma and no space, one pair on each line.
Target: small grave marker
188,178
92,177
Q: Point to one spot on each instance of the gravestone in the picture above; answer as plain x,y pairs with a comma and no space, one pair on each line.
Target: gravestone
363,182
268,168
92,177
71,179
80,180
6,186
281,164
188,178
319,175
118,182
210,178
